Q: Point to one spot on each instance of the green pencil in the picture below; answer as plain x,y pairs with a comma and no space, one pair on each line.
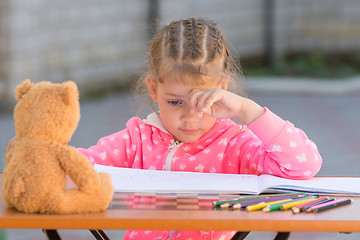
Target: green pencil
275,206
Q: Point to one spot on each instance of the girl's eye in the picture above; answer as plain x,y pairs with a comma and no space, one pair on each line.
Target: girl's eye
175,102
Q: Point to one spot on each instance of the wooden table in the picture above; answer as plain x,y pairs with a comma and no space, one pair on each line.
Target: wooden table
342,219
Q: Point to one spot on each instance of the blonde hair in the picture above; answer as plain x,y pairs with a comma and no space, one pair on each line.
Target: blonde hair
192,47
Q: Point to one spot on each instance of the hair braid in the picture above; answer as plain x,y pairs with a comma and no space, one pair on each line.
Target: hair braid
174,40
193,37
188,46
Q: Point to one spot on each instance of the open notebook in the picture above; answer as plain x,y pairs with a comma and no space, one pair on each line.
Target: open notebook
138,180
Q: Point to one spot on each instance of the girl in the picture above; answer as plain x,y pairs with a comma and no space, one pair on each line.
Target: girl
189,72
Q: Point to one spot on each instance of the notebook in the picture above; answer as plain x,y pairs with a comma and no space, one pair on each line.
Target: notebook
139,180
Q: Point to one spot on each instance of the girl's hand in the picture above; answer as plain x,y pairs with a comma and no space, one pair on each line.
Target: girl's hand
221,103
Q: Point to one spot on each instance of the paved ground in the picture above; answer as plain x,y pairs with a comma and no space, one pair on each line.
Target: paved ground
330,118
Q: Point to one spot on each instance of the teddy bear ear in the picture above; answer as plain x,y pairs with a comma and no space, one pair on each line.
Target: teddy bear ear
70,92
22,89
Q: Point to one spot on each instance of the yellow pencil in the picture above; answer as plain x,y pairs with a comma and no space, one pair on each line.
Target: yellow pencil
294,203
264,204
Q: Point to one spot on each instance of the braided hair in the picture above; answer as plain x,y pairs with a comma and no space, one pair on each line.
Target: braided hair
188,47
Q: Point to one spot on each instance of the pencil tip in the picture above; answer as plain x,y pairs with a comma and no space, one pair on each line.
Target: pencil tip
236,206
296,210
266,209
225,205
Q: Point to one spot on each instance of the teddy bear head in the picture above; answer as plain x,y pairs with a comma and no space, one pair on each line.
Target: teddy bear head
47,111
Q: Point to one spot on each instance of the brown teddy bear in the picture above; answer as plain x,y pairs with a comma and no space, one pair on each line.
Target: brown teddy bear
37,166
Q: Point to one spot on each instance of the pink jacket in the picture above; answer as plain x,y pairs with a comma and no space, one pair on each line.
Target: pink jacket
269,145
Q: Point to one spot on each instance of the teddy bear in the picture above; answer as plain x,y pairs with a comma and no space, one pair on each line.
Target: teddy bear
39,165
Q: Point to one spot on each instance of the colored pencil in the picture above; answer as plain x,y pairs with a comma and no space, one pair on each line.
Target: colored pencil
262,205
278,206
274,207
302,207
332,204
219,203
240,204
254,202
247,198
312,202
296,202
308,209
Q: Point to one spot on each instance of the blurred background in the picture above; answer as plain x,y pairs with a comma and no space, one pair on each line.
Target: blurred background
300,58
100,44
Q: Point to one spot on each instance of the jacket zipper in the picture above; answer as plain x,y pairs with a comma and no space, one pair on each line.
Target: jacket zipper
172,148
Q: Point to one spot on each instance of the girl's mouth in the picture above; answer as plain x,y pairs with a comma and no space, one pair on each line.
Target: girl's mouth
189,131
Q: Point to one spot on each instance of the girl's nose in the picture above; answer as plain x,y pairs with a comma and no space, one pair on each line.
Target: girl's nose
189,116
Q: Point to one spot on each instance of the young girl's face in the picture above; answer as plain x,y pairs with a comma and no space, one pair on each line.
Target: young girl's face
172,98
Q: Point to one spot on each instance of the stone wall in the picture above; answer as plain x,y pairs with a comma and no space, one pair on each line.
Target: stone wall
94,43
102,43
